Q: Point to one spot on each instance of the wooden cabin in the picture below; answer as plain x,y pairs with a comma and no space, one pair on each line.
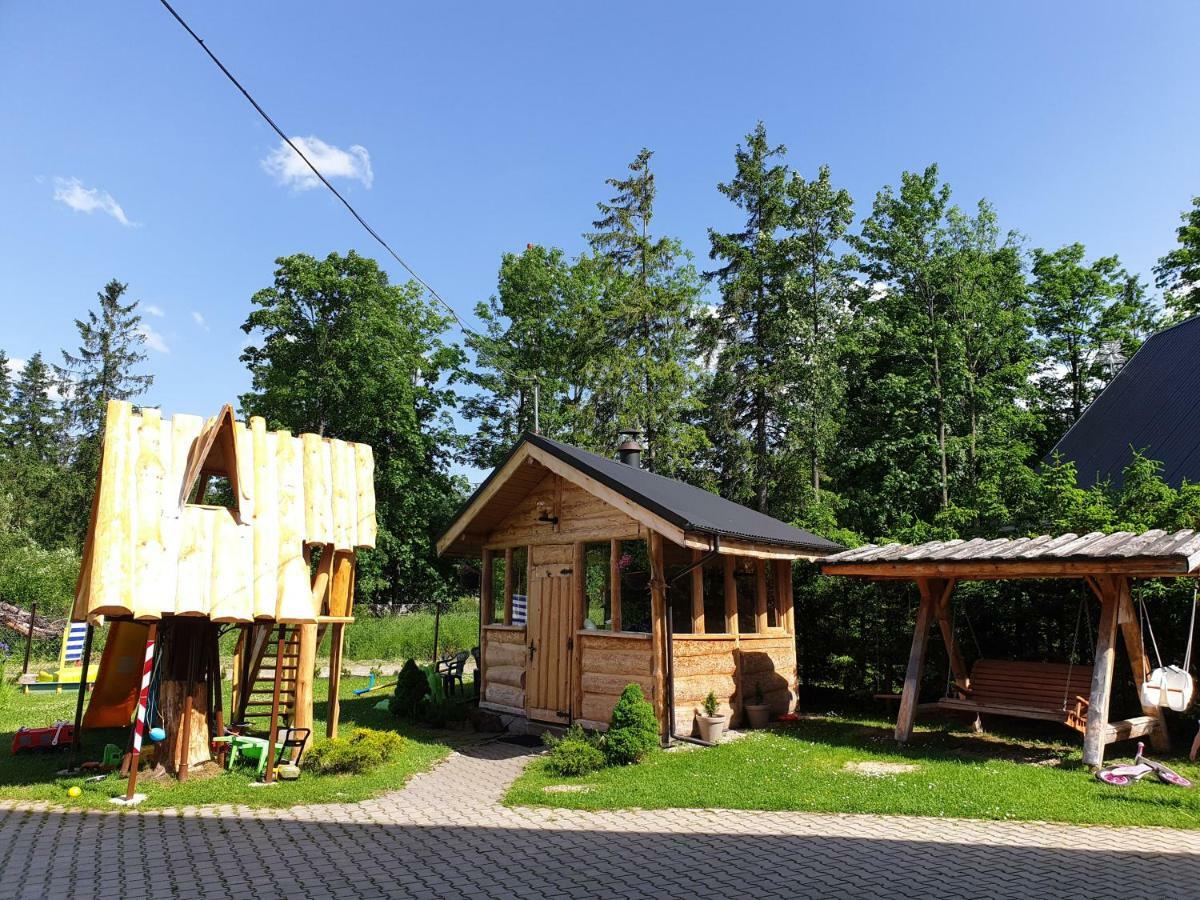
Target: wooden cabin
597,573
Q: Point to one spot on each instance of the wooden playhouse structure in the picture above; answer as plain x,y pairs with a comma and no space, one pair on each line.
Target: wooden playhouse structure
1072,694
597,573
201,526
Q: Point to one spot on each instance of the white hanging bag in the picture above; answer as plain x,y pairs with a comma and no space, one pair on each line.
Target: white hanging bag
1171,687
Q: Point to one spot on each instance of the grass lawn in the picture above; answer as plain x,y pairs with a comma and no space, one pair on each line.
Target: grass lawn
806,766
31,776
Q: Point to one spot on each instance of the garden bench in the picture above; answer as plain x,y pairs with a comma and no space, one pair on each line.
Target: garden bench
1053,692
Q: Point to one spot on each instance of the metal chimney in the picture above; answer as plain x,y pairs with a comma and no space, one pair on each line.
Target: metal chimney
630,451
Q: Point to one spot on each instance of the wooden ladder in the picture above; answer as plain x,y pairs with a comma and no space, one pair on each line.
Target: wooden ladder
254,703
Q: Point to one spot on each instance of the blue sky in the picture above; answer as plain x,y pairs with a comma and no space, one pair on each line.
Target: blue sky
462,131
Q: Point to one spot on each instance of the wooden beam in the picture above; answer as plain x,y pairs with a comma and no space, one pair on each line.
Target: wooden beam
1102,671
614,582
579,613
306,664
273,733
761,622
942,591
487,605
658,627
731,598
508,586
334,706
734,547
697,594
1139,663
783,595
916,665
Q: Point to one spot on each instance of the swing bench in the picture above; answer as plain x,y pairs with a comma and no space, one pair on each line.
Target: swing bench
1052,692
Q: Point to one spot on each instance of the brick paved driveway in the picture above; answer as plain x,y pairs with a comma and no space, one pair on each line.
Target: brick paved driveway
446,835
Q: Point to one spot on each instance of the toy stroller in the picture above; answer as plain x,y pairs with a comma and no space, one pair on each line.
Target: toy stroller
1122,775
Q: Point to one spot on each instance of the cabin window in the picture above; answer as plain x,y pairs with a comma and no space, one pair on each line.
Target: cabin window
497,610
520,585
634,566
773,620
597,586
745,578
714,597
679,586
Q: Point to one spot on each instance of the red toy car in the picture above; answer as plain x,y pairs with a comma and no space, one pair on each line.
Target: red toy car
57,737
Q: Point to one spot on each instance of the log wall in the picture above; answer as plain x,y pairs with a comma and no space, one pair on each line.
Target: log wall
610,661
730,666
504,660
581,517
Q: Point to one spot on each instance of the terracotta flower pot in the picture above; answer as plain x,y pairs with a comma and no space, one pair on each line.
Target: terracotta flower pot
711,728
758,714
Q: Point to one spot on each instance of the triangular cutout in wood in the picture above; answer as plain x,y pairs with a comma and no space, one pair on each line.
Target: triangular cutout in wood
215,454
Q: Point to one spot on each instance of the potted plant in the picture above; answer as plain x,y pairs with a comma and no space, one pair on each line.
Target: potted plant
712,724
758,713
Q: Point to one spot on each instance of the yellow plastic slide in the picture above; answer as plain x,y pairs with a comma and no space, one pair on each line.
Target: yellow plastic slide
114,696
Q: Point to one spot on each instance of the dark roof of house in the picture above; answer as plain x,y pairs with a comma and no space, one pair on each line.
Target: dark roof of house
691,508
1150,407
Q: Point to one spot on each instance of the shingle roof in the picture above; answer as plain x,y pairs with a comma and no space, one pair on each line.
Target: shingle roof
1150,407
689,507
1153,551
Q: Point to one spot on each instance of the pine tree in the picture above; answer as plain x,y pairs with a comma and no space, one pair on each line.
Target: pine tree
823,282
34,426
1178,272
102,369
647,376
5,394
748,404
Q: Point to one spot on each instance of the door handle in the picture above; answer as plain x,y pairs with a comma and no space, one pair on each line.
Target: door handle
532,648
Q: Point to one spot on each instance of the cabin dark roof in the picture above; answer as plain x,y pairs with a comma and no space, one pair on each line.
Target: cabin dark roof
688,507
1150,407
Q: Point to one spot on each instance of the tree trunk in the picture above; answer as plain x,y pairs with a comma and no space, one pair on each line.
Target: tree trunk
186,659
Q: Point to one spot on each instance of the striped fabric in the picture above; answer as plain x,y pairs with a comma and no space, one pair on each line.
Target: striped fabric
73,646
520,609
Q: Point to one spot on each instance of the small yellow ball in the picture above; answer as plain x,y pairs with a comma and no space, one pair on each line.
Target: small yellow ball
73,791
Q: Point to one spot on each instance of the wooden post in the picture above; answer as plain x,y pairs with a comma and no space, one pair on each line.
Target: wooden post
487,604
306,665
658,628
916,665
783,594
697,594
579,612
760,596
731,598
76,735
508,586
1139,662
240,649
273,735
185,742
1102,670
335,679
614,582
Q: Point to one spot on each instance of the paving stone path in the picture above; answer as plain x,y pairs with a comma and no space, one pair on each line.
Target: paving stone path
447,835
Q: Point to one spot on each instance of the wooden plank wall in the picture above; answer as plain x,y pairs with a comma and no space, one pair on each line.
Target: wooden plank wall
610,662
504,660
730,666
581,517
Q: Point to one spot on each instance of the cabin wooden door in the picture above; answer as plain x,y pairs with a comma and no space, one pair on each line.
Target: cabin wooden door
548,636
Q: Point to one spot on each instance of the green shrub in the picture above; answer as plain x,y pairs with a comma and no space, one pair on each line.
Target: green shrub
633,731
412,687
364,749
711,707
575,753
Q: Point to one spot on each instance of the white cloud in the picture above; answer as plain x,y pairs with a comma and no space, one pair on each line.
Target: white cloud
154,310
153,339
16,365
199,320
332,162
72,193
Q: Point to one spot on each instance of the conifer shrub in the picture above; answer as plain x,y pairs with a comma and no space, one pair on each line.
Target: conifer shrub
575,753
633,730
412,687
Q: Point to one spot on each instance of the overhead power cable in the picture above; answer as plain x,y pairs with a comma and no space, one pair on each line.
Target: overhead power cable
346,203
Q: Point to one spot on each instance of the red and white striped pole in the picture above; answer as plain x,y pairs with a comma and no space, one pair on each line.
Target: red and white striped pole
139,724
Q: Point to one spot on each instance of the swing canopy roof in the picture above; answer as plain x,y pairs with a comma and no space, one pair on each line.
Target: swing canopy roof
1152,554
